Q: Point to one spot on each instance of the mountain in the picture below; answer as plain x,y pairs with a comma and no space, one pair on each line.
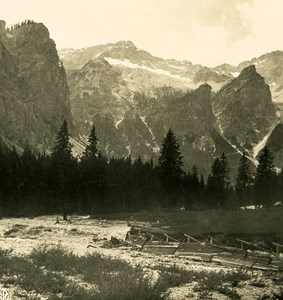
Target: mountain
275,144
245,114
34,95
270,66
133,123
145,71
141,70
133,98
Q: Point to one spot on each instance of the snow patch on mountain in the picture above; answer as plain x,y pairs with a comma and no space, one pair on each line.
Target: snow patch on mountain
129,150
156,147
78,149
97,54
127,64
118,122
235,74
149,129
176,67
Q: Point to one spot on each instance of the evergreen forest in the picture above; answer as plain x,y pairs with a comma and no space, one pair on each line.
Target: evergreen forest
59,183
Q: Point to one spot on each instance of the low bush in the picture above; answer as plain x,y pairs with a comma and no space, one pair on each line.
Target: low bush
214,282
115,279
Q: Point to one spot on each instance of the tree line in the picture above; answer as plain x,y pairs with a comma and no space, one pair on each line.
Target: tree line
59,183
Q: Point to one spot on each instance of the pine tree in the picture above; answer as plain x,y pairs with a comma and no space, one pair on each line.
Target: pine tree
91,148
265,179
187,186
170,166
202,185
243,181
225,171
218,182
93,174
192,189
63,169
28,171
63,148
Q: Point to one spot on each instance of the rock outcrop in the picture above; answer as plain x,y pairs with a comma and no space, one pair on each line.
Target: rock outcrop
126,99
133,98
275,144
134,123
34,95
244,110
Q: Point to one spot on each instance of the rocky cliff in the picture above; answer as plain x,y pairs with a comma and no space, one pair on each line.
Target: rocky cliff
34,95
133,98
121,89
130,122
275,144
244,111
145,71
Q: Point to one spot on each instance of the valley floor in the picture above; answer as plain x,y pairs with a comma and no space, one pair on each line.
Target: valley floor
22,235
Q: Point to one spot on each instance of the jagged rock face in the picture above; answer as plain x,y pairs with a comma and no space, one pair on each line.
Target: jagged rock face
120,89
190,116
100,96
275,144
270,66
123,51
127,101
98,86
208,75
141,71
129,123
244,110
144,71
34,91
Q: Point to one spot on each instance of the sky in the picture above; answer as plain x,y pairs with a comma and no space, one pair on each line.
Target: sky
209,32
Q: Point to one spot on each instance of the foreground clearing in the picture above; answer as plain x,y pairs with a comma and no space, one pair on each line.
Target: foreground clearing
38,270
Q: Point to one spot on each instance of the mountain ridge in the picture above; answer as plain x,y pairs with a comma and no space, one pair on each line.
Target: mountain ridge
133,98
144,81
192,75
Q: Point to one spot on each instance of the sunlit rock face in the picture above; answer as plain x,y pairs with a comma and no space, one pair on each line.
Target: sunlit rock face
244,111
34,95
133,98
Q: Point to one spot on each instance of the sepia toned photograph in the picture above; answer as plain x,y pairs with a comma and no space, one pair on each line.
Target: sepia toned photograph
141,150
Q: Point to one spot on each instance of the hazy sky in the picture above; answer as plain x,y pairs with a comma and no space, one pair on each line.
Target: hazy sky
209,32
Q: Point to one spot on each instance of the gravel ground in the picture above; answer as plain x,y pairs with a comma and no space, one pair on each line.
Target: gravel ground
24,234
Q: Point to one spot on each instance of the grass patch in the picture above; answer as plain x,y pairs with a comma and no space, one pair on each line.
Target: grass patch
173,276
57,272
115,279
20,271
222,282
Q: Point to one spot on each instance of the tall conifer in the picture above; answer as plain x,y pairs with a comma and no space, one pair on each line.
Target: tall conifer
243,181
170,166
265,179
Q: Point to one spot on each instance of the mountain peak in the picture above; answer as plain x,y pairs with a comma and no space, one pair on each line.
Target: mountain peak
249,70
126,44
248,73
